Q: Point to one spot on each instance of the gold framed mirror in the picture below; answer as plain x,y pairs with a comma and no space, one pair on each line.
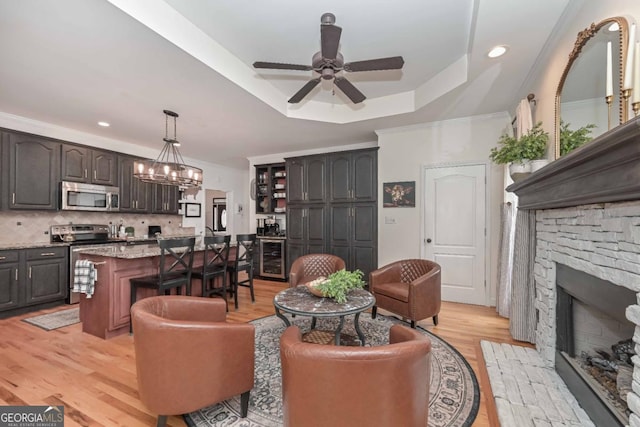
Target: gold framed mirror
580,97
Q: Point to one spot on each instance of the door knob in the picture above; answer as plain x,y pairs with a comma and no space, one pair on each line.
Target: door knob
428,240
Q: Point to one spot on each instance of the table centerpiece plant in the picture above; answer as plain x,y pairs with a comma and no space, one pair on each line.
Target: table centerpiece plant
337,285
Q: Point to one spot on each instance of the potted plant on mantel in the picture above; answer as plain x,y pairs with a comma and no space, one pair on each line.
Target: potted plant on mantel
524,155
572,139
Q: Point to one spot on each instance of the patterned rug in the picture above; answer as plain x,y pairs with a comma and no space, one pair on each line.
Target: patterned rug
454,393
56,320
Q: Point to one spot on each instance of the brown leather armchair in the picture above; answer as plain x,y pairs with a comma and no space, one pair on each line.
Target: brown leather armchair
410,288
309,267
188,357
332,386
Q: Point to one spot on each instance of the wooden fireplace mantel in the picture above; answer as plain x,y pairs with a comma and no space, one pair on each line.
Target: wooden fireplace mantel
606,169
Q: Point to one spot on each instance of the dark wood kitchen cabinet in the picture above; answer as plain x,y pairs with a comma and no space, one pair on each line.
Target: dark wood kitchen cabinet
271,188
353,176
33,279
33,172
91,166
353,235
306,179
135,195
306,231
333,208
9,270
165,199
46,275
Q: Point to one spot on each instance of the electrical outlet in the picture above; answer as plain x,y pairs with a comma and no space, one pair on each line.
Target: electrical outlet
389,220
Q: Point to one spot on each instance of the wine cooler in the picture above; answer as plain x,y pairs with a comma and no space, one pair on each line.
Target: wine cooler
272,258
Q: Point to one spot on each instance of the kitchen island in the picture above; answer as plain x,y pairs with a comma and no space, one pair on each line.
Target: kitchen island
106,313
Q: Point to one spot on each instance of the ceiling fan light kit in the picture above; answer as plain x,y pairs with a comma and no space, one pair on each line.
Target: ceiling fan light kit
169,167
329,61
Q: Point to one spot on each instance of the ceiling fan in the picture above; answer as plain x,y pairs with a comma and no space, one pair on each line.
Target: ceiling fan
329,61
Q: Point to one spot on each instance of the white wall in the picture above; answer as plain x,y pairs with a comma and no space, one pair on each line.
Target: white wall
405,151
544,79
216,177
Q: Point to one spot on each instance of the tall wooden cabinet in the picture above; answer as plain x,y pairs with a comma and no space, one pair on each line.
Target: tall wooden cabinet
332,207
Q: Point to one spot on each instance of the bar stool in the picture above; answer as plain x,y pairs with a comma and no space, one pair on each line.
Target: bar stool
216,257
243,262
174,271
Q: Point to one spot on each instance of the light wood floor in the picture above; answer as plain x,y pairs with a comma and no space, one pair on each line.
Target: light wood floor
95,379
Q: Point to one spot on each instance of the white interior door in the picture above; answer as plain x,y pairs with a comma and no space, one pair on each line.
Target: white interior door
454,230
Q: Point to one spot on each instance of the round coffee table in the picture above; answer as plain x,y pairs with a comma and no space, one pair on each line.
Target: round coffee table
299,301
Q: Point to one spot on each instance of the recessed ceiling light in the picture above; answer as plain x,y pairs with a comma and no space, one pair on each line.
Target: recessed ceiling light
497,51
104,124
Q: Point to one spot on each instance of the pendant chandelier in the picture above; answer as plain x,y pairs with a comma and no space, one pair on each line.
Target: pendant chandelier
169,167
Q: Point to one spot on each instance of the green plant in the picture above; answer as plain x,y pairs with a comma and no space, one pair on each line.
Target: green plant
530,146
572,139
338,284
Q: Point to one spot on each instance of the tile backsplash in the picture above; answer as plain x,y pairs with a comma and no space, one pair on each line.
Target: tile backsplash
33,226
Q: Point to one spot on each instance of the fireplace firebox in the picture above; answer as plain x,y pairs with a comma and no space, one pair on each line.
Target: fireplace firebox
573,287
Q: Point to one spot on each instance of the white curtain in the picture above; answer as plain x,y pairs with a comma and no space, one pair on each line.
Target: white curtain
522,323
505,260
509,210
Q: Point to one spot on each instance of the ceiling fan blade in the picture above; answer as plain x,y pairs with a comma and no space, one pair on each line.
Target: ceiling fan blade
392,63
280,66
304,91
350,90
330,40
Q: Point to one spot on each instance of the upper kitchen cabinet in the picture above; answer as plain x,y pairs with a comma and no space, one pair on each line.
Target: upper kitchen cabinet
135,195
33,172
271,188
84,164
165,199
306,178
353,176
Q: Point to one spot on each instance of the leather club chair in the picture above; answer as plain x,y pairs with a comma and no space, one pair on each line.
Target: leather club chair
188,357
333,386
409,288
309,267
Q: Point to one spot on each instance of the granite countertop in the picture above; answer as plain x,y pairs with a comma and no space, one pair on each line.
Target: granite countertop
129,240
131,251
9,246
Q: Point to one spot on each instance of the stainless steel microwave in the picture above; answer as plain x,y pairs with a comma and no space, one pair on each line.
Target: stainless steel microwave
77,196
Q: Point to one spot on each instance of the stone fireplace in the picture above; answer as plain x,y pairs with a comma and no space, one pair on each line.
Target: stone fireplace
588,221
582,248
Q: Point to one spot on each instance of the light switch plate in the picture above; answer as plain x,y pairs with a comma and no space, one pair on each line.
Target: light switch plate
389,220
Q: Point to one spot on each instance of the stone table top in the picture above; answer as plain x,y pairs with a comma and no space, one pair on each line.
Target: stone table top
299,300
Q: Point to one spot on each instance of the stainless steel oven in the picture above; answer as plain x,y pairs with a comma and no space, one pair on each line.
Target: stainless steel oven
272,258
79,237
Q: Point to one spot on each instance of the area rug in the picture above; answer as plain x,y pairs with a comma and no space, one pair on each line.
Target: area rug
56,320
454,392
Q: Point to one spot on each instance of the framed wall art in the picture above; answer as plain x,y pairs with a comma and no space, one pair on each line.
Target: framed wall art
401,194
192,210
